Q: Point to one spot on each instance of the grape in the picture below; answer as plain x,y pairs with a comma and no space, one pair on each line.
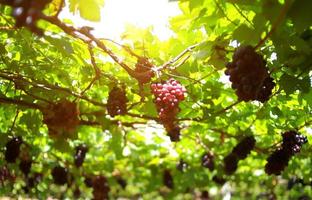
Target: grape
80,155
100,188
168,95
60,175
167,179
117,102
230,163
182,165
249,75
208,161
13,149
143,65
243,148
25,166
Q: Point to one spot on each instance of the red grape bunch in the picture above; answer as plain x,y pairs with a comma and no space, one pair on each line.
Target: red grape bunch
168,95
278,160
239,152
117,102
143,68
26,13
249,75
61,118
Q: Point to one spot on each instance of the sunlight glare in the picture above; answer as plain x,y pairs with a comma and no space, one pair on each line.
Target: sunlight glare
141,13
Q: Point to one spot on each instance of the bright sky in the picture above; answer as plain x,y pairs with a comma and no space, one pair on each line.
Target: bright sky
142,13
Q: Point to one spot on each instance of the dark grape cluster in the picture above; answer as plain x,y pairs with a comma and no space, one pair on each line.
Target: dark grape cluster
218,180
122,182
80,155
5,174
167,95
88,181
27,12
204,195
249,75
244,147
143,68
25,166
100,188
13,149
32,181
117,102
292,142
60,175
61,118
278,160
239,152
294,181
207,161
168,179
182,165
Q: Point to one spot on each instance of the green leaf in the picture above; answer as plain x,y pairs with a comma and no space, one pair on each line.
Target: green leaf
246,35
88,9
301,15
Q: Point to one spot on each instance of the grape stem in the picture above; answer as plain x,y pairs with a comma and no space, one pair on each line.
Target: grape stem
178,57
277,22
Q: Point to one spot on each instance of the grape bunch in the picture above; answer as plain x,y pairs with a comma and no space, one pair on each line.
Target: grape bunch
13,149
168,95
25,166
5,174
291,144
60,175
239,152
117,102
249,75
208,161
204,195
32,181
80,155
122,182
143,68
100,188
182,165
27,13
168,179
218,180
61,118
294,181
